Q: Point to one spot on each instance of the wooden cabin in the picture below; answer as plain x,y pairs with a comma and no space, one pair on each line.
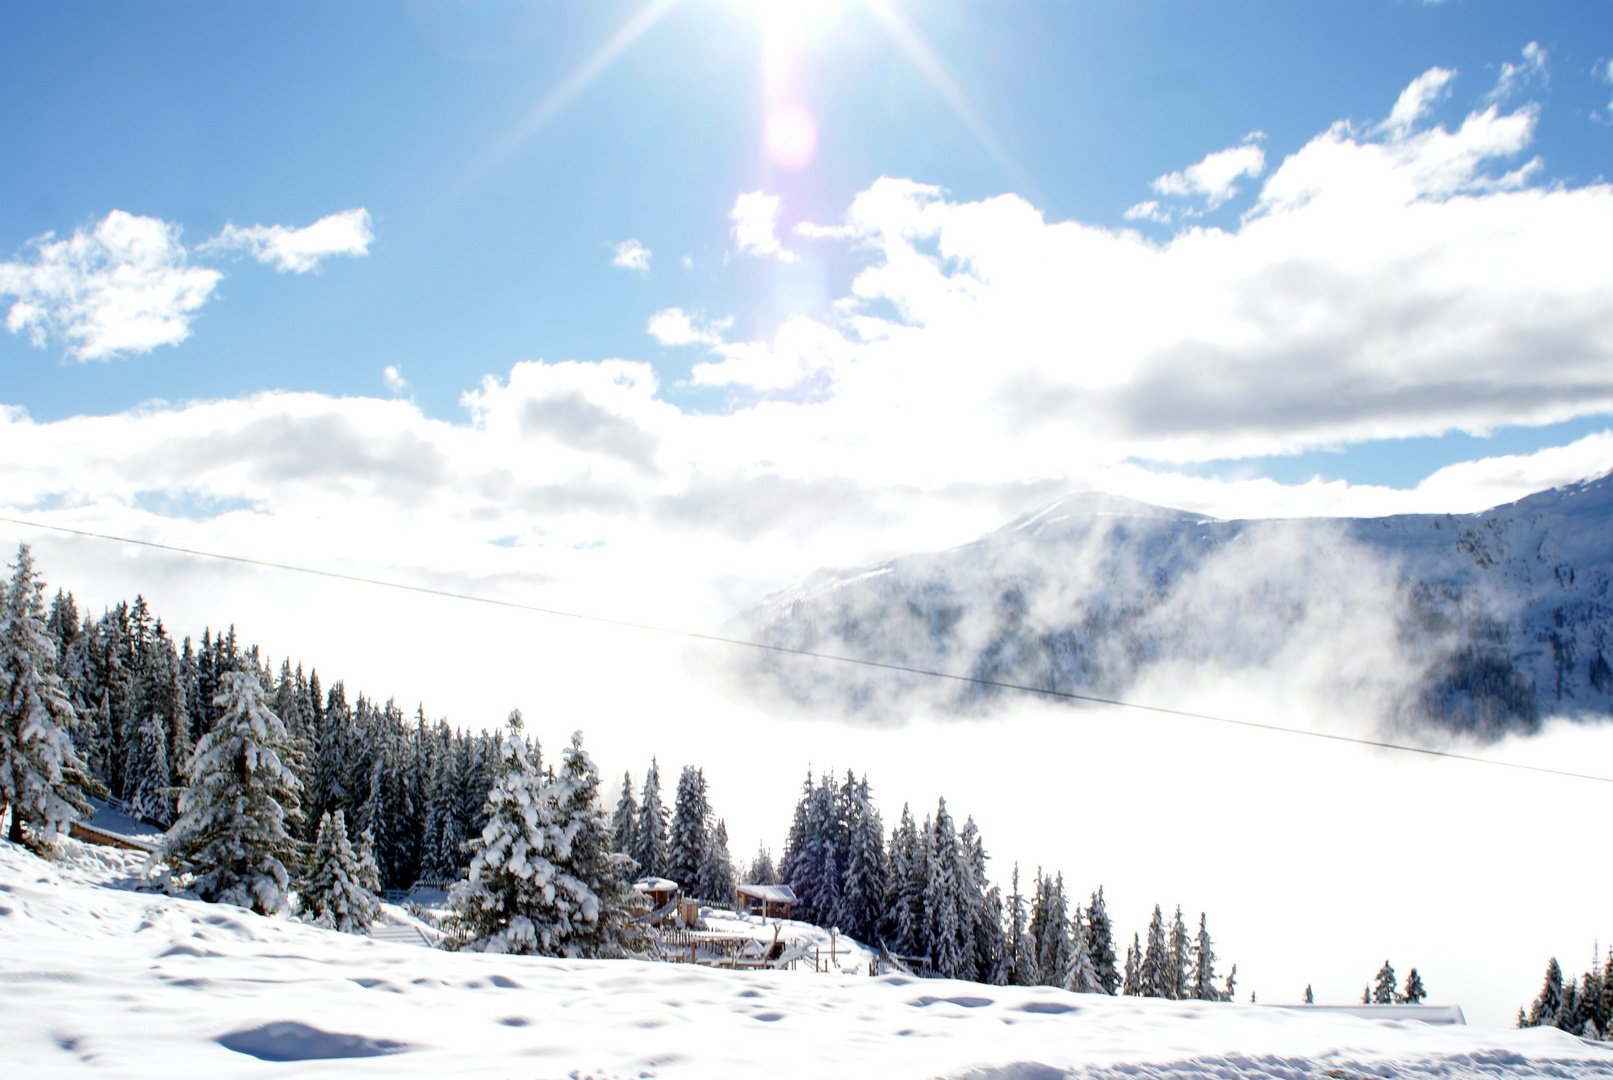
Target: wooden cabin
768,901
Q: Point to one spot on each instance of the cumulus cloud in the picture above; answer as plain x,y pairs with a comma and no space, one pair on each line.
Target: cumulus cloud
119,286
632,255
755,217
1215,178
299,250
674,326
124,285
395,382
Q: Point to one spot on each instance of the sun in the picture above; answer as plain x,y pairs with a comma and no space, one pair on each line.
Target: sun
790,18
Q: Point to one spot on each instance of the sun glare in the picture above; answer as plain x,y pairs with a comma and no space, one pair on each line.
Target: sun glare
790,17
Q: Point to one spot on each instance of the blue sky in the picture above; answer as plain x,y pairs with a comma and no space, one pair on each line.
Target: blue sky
202,114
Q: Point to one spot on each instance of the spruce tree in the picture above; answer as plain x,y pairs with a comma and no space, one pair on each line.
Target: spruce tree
1156,961
1132,985
862,902
230,839
499,904
762,871
624,823
335,896
42,777
591,914
1177,982
1310,998
715,878
1383,991
1019,957
686,844
1415,992
1082,977
650,851
1101,943
948,939
1203,986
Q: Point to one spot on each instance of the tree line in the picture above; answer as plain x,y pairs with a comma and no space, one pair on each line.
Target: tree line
1582,1006
349,798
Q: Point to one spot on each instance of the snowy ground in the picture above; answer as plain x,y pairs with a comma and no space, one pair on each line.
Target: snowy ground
97,978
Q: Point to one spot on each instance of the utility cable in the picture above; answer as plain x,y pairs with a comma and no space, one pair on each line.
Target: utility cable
974,680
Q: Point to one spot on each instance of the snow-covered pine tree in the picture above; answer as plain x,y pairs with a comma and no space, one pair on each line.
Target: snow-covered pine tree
1101,943
983,906
912,925
1232,984
230,839
369,870
1310,998
335,896
150,783
624,823
1082,977
762,871
42,777
1383,990
686,843
1415,991
1018,963
950,952
862,902
650,850
1132,985
1203,986
714,880
498,905
1156,960
1051,929
1177,978
591,913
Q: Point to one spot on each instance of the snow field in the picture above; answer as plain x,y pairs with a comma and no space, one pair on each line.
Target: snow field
98,979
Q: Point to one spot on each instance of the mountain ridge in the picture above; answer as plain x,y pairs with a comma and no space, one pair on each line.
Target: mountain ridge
1480,623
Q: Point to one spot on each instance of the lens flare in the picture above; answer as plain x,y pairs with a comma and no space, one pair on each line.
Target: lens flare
791,135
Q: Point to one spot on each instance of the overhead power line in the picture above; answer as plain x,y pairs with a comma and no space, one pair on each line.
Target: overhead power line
719,639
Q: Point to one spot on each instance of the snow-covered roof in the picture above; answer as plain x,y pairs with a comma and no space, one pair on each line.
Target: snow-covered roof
1428,1014
772,894
655,884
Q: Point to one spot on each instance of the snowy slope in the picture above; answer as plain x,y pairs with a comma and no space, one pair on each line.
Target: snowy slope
100,980
1482,623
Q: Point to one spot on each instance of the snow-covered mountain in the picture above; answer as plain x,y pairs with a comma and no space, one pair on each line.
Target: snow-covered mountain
1483,623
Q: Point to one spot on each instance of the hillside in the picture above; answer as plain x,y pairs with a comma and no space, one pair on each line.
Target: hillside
99,978
1481,623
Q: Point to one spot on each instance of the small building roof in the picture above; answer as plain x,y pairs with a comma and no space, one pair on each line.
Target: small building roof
772,894
655,884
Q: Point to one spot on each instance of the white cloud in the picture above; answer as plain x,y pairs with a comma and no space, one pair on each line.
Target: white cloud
632,255
1417,99
299,250
1150,210
395,382
1215,178
120,286
1513,76
674,326
755,218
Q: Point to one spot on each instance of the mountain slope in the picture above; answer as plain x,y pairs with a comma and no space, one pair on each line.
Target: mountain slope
1482,623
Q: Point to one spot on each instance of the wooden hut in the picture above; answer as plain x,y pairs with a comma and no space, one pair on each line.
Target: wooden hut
768,901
